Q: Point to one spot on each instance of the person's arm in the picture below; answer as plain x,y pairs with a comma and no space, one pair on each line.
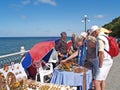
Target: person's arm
101,46
70,57
101,58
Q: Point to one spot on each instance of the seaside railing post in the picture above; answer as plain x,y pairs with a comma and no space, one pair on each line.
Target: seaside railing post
22,50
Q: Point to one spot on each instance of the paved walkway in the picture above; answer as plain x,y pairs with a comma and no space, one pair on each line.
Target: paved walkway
113,80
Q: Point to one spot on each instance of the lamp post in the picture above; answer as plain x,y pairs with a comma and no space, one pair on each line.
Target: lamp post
85,19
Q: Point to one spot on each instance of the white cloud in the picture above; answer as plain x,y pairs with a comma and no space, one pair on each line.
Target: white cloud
99,16
23,16
35,2
26,2
16,6
51,2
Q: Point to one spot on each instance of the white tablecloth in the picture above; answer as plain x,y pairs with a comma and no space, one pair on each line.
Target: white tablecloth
18,72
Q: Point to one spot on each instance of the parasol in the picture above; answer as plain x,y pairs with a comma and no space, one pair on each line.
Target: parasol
40,51
105,30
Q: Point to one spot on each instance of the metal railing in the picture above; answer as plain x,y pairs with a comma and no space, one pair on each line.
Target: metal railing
13,57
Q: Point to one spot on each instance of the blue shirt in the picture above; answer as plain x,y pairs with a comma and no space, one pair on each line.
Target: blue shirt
82,54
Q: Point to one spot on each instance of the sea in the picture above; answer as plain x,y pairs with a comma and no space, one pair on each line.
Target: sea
10,45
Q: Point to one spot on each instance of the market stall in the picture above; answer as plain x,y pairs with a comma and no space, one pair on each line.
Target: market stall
73,75
13,77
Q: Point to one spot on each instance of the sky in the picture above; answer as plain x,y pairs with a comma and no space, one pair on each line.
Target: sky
36,18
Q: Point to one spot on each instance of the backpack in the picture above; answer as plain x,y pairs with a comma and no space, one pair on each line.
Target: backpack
113,46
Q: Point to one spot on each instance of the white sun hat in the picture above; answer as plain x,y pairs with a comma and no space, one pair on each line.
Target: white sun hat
94,28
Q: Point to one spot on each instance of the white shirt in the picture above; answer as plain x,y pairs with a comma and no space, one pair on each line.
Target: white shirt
103,45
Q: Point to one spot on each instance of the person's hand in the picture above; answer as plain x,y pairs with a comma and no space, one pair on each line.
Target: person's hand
99,70
61,55
62,62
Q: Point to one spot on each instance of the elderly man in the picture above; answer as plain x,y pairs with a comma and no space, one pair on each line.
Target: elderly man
61,46
105,60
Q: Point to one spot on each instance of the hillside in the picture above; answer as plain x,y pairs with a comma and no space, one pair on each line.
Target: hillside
114,26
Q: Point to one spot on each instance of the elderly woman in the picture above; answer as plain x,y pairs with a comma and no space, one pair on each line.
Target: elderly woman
81,52
91,53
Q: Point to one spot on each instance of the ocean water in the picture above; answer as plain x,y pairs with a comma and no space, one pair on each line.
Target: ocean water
12,44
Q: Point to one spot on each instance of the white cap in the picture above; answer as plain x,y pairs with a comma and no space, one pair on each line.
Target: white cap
83,34
94,28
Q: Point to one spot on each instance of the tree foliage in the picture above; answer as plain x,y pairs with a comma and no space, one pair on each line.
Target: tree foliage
114,26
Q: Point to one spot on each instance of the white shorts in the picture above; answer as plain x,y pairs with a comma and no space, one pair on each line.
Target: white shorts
102,73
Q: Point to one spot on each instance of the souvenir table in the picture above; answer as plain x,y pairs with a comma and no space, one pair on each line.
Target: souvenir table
13,77
71,78
9,75
16,69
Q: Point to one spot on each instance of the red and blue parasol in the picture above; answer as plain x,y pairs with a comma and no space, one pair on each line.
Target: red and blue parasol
38,52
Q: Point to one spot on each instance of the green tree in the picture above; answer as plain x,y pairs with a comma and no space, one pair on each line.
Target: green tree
114,26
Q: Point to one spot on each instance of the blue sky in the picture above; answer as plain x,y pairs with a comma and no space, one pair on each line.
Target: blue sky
19,18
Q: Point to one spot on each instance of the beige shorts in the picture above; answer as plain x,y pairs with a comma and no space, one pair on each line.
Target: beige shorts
103,72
